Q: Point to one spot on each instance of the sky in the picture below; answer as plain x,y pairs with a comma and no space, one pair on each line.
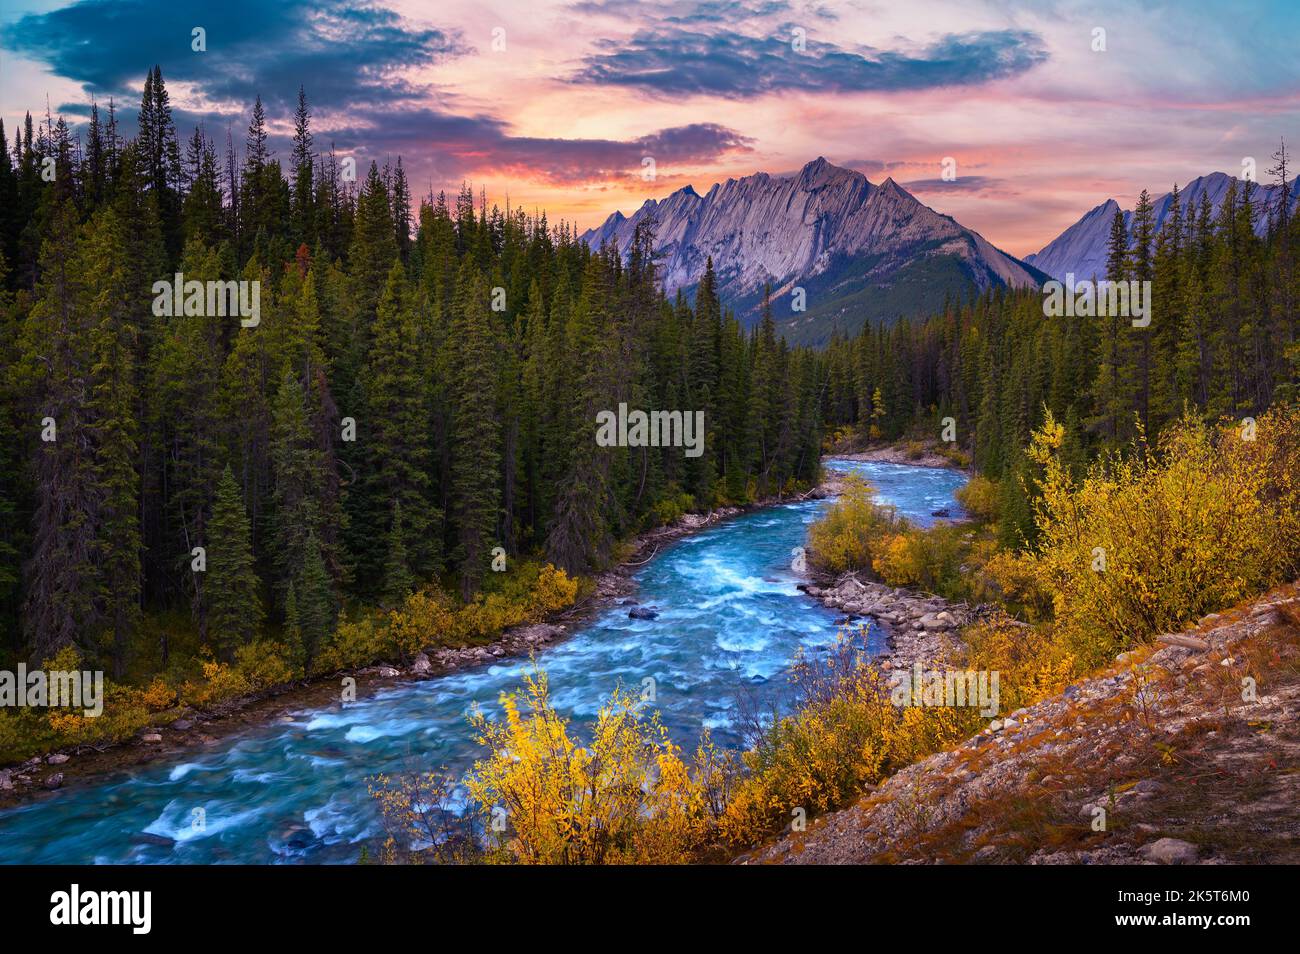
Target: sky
1047,108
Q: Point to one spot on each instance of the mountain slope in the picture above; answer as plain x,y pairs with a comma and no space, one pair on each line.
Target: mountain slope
1081,249
858,250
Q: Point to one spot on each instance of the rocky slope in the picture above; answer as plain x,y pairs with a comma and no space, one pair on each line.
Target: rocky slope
859,249
1187,751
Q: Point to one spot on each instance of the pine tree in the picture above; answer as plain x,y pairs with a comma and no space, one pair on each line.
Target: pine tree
232,592
113,432
304,211
396,416
316,606
476,453
398,580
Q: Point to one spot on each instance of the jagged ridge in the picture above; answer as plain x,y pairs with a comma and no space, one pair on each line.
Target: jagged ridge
827,228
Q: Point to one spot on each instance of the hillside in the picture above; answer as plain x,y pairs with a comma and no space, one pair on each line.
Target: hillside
1184,769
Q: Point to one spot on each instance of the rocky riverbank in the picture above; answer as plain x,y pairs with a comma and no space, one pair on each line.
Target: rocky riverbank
916,627
897,454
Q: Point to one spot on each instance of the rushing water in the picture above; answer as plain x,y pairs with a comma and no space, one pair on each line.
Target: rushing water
296,790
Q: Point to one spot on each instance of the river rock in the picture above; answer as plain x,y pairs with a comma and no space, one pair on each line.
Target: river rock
54,781
149,838
388,672
58,758
421,666
152,738
1170,851
6,781
642,612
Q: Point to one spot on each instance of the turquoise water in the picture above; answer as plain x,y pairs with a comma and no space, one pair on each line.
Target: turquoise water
296,790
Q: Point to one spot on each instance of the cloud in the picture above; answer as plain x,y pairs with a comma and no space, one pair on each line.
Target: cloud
960,184
732,65
351,53
352,59
456,146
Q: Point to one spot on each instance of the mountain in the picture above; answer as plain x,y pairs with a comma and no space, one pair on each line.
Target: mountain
1081,249
858,250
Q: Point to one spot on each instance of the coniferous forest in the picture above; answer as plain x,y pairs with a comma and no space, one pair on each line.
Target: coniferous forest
420,390
422,383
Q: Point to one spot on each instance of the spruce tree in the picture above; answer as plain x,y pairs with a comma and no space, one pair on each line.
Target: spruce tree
232,590
476,451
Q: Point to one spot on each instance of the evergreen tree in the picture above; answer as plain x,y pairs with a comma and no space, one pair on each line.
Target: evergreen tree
476,453
233,595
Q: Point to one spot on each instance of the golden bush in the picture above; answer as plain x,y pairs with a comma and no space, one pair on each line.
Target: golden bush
1145,543
627,796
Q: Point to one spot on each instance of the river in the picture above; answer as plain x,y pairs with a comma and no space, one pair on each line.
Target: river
730,620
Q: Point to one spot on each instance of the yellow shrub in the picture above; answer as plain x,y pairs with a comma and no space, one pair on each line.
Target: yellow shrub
430,617
221,681
627,796
1032,662
553,591
424,619
845,733
844,537
898,559
980,497
159,695
1146,543
355,643
264,663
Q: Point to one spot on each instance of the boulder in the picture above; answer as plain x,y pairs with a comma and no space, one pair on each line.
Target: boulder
54,781
422,666
1170,851
642,612
57,759
152,738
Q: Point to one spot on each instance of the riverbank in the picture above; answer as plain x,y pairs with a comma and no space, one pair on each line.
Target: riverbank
916,627
194,730
913,456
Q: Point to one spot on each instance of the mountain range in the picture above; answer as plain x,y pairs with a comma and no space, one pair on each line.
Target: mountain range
1081,249
859,250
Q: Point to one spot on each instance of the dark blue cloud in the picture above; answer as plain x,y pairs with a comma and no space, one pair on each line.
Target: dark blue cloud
350,54
352,58
733,65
